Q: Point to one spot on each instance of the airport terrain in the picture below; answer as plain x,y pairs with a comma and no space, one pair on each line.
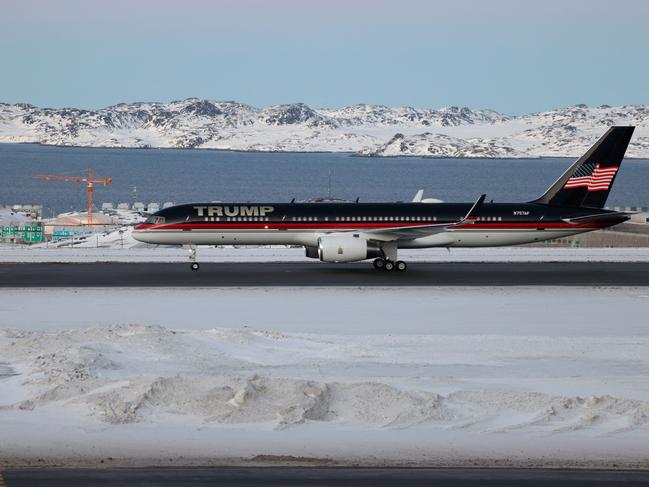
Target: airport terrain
376,376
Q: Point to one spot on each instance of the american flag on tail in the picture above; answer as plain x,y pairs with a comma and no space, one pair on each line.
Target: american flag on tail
592,176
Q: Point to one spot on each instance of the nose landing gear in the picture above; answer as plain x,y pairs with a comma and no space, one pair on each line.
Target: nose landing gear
192,257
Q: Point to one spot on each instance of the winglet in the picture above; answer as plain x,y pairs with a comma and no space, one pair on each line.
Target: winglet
418,196
471,216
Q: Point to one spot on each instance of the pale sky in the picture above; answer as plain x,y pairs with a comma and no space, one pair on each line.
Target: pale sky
514,56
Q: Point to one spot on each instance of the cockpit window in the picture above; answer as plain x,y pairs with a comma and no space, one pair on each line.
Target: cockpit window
156,220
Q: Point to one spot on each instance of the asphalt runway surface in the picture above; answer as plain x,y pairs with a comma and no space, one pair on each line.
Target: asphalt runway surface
318,274
280,476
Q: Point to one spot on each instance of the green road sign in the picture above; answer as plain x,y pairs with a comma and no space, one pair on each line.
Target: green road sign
26,233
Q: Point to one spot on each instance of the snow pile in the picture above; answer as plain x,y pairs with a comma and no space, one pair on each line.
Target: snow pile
144,374
225,400
431,376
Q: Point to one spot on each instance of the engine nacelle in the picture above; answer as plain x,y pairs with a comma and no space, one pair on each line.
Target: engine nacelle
346,249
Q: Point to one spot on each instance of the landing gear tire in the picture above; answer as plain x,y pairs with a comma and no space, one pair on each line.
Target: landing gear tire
388,265
195,266
401,265
378,264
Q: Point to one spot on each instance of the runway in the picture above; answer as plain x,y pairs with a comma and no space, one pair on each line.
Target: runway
280,476
322,275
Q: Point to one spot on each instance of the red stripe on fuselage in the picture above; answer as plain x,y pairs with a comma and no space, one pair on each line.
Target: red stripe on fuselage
316,226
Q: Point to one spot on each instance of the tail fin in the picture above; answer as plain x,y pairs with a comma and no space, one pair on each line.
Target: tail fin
589,180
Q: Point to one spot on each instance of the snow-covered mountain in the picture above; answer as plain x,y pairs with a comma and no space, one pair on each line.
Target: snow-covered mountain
364,129
439,145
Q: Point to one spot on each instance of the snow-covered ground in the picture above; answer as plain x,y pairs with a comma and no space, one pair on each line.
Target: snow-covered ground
522,376
8,217
90,251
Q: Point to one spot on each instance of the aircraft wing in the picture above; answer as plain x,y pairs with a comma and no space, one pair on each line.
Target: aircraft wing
417,231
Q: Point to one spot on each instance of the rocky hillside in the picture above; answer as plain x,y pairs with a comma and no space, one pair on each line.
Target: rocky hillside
439,145
363,129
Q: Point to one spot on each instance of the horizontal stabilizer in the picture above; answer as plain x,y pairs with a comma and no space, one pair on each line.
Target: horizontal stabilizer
599,218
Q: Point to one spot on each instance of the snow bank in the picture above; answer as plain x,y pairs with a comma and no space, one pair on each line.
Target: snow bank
423,376
137,391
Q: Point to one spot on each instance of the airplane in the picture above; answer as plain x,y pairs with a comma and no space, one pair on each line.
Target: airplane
352,232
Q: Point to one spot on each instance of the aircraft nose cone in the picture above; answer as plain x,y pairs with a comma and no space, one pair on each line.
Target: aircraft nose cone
141,231
139,234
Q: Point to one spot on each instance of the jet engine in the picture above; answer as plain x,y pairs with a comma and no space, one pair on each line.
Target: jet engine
346,249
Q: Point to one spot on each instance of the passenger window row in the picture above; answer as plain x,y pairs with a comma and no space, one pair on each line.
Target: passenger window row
338,219
237,219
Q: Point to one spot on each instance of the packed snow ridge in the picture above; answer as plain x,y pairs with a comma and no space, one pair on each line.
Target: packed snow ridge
135,373
370,130
466,376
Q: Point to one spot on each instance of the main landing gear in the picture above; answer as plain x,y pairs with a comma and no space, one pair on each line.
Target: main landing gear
388,265
388,260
